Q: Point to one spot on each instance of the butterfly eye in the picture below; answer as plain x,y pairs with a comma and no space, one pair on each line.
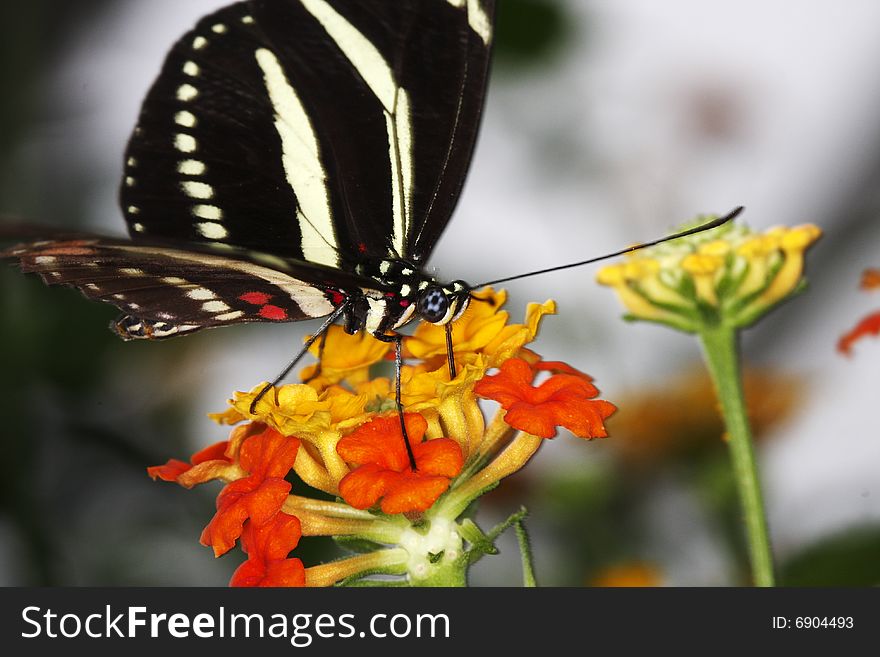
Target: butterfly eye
433,305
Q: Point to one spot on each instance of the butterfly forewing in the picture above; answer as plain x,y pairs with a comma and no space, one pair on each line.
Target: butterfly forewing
323,130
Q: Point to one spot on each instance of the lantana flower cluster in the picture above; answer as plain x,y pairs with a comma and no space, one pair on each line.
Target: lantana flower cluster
727,275
339,432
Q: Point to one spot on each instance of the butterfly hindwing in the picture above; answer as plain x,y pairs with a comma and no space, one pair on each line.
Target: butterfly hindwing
181,288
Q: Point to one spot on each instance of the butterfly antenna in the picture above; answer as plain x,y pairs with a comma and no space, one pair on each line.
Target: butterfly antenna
698,229
302,352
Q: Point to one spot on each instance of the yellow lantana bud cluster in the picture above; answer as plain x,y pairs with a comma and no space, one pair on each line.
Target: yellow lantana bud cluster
728,275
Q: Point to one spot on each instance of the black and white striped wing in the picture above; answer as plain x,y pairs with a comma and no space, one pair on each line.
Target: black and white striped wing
318,130
168,291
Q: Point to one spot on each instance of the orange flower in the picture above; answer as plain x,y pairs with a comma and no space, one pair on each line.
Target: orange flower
268,457
871,279
384,470
562,400
173,468
869,325
267,547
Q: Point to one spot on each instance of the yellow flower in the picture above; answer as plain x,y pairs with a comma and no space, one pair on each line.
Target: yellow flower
345,358
727,275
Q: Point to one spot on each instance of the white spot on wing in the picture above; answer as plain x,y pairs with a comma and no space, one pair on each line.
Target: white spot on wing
186,119
247,20
302,163
211,212
197,189
191,167
191,69
185,143
228,317
215,307
133,209
174,280
212,231
199,42
131,271
186,92
44,260
201,294
219,28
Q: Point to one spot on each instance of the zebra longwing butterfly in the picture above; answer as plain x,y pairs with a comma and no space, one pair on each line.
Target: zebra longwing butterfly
294,159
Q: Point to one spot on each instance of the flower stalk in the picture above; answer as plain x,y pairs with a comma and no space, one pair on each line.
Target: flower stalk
720,347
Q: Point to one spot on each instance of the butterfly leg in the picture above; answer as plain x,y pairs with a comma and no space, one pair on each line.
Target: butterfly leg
321,344
302,352
450,355
398,364
397,339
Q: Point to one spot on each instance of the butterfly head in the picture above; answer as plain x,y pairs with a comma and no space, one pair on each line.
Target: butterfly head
441,304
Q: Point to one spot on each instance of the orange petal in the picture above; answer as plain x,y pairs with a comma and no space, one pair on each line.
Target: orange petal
870,325
272,540
363,487
268,454
380,441
239,501
172,469
413,492
511,384
256,572
441,456
562,400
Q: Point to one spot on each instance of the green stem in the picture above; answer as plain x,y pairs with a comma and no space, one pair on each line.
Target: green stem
722,356
525,550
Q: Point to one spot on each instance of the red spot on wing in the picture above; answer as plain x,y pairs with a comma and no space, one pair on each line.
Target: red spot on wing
256,298
362,247
71,250
336,298
404,303
273,312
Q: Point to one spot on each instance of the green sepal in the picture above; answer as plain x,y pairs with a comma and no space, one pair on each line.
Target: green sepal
480,543
358,544
754,314
359,578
